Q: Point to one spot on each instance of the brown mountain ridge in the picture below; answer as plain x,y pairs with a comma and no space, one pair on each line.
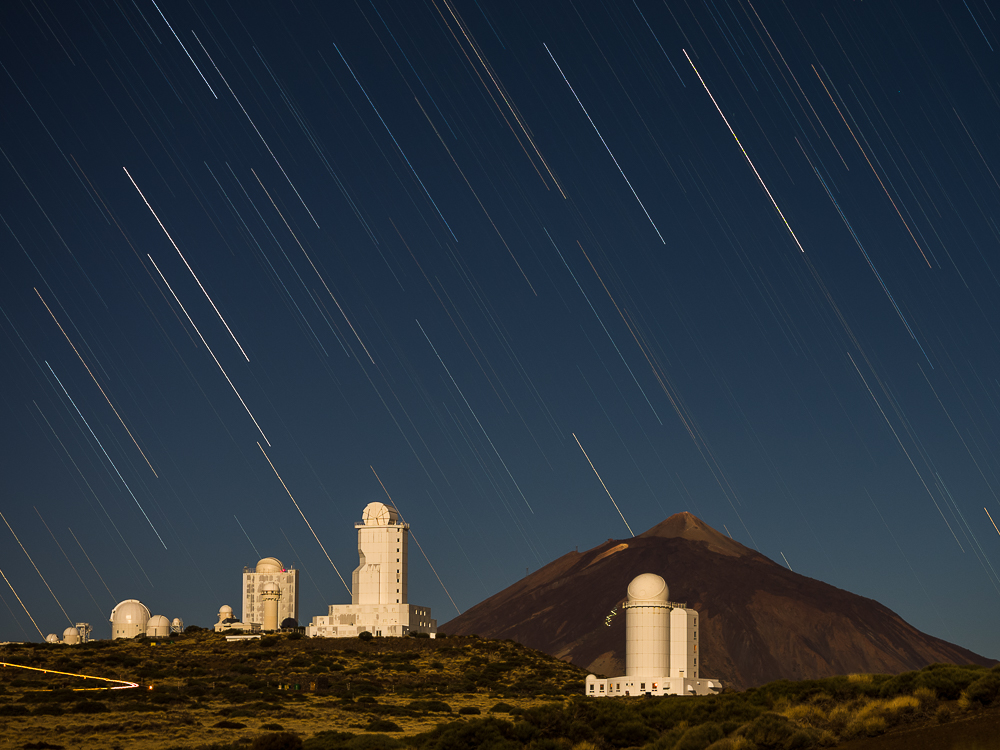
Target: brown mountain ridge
760,621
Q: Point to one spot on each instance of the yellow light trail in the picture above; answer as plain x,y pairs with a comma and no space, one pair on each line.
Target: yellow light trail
37,571
992,521
22,605
305,519
124,686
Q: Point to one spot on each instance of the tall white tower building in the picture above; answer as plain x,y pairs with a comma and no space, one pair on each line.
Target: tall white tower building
379,597
661,646
270,570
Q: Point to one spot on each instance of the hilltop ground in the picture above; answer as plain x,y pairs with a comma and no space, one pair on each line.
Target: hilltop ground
282,692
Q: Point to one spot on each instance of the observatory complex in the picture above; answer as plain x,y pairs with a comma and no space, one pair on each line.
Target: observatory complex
661,647
131,618
379,585
270,599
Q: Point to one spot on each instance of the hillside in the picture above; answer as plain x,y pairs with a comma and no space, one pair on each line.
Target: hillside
201,692
760,621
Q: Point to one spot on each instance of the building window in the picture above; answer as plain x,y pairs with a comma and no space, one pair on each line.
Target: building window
591,687
642,685
602,687
696,661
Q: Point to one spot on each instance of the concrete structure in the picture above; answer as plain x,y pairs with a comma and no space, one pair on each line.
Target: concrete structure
71,636
661,647
157,626
128,619
228,622
270,570
379,584
176,626
270,595
83,628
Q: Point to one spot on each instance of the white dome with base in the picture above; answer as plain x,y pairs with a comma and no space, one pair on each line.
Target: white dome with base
128,619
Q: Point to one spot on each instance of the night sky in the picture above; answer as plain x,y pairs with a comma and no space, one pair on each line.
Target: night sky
496,253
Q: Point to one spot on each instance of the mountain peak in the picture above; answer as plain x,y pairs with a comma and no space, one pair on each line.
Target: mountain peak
688,526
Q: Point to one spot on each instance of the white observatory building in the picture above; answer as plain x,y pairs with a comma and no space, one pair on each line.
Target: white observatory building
270,595
128,619
379,584
661,647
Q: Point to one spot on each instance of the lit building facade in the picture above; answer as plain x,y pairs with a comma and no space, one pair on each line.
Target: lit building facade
270,571
378,585
661,647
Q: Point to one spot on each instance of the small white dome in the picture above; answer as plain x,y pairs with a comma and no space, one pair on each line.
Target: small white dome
379,514
158,621
269,565
71,631
52,638
177,622
648,587
270,587
225,611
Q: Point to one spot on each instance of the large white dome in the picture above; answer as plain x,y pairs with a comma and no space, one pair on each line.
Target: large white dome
648,587
130,612
379,514
269,565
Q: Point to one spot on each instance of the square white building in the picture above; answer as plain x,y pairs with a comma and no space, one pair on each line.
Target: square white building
270,570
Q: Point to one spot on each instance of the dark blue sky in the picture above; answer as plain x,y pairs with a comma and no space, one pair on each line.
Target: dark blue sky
409,244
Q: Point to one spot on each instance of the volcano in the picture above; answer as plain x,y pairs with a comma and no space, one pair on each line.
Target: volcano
760,621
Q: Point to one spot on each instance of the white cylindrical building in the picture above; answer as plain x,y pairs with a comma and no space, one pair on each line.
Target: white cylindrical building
647,622
157,626
269,594
128,619
71,636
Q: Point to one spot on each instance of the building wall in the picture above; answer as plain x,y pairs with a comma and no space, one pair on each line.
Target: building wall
647,628
381,575
253,604
348,620
683,643
624,686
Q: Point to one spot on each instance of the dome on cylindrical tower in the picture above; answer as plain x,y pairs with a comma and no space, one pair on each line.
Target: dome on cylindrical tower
225,612
269,565
270,588
71,636
379,514
648,587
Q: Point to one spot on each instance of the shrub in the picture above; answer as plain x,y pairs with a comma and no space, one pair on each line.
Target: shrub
383,725
501,708
943,715
699,737
429,705
364,635
296,635
469,711
90,707
328,740
629,733
226,724
272,727
985,689
769,730
277,741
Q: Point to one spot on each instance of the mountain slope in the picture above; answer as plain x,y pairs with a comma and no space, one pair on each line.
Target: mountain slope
760,621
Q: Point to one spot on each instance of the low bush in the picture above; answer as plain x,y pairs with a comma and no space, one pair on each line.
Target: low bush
277,741
383,725
469,711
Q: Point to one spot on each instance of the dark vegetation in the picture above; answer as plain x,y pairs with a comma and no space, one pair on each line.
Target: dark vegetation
448,694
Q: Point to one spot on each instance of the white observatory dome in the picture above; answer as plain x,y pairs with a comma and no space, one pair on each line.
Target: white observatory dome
128,619
71,636
379,514
157,626
177,625
269,565
648,587
52,638
225,613
269,588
